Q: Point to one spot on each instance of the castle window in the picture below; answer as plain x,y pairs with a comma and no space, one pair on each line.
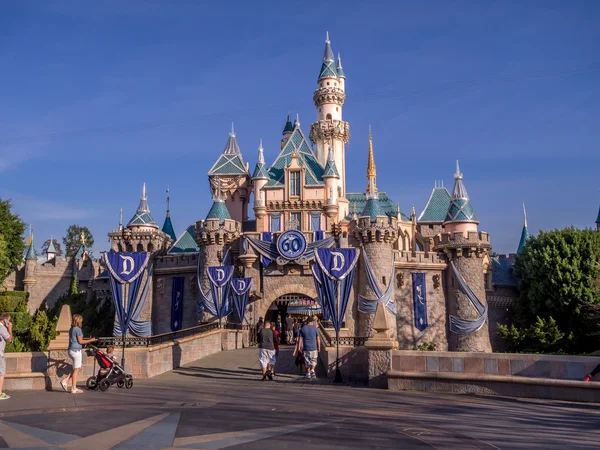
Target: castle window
129,248
140,248
315,221
328,83
295,221
328,117
295,184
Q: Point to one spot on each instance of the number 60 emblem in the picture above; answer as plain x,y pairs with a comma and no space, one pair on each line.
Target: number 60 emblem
291,244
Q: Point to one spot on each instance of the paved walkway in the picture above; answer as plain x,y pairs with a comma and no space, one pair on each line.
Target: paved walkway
220,402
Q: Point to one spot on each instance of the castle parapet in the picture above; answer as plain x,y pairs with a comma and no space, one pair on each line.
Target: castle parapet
216,231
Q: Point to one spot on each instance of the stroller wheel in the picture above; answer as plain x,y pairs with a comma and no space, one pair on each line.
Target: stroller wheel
104,384
120,383
91,383
129,383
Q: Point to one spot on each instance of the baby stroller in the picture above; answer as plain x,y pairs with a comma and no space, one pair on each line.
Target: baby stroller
109,373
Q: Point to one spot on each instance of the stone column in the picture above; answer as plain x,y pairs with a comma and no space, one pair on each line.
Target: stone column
58,358
379,349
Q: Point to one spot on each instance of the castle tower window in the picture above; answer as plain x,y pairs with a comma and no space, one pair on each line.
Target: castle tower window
315,221
294,184
129,248
275,222
328,117
140,248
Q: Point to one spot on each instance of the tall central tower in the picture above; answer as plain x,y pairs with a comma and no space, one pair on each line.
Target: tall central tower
330,130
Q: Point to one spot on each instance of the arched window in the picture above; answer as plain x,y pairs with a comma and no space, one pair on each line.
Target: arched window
129,248
119,248
150,247
328,117
140,248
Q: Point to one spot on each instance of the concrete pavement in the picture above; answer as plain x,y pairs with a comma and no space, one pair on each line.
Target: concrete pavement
220,402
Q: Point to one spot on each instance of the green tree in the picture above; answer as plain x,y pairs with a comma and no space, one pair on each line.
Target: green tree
11,247
72,239
558,273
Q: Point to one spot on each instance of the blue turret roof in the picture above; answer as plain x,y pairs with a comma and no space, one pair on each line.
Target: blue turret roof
218,210
330,168
80,252
358,202
373,209
598,218
186,242
142,216
460,209
328,69
524,233
30,252
51,247
437,206
339,69
260,171
231,161
167,227
289,127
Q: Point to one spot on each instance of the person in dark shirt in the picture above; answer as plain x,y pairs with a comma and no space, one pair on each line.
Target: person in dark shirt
310,345
266,351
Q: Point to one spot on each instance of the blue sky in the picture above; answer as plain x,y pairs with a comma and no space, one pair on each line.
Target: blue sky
98,97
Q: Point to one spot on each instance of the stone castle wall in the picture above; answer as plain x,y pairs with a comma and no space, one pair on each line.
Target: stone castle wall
408,334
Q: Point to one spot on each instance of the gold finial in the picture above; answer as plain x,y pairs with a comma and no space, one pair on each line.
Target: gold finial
82,238
371,170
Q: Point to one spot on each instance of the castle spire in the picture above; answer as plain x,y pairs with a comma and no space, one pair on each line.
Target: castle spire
30,250
297,121
260,171
288,128
524,233
339,69
330,168
167,227
142,216
371,170
460,209
328,69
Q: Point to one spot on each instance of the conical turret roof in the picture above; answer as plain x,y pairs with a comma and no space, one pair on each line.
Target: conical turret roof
289,127
328,69
51,247
460,209
142,217
330,168
218,210
260,171
524,233
167,227
339,69
231,161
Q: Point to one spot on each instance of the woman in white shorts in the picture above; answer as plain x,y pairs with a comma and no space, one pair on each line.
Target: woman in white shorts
76,343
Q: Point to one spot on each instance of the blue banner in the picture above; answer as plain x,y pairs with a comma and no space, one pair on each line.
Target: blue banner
265,236
420,300
337,268
220,277
240,291
177,303
126,267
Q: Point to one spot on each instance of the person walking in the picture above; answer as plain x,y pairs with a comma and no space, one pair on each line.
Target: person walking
289,330
76,343
5,336
266,351
297,327
276,342
278,324
310,345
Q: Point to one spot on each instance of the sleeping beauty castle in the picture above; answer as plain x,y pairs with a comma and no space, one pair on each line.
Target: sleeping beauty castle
432,272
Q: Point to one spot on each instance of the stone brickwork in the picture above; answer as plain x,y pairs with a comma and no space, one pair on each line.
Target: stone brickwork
468,254
408,335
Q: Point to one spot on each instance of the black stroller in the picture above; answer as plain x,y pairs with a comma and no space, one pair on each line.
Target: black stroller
109,373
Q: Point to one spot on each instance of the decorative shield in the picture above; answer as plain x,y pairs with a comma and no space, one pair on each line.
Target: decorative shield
126,267
291,244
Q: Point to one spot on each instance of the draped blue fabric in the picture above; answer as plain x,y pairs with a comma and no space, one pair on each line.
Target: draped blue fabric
240,290
369,306
319,235
206,302
315,221
420,300
269,249
142,327
220,277
467,326
177,303
265,236
127,268
275,222
337,274
317,274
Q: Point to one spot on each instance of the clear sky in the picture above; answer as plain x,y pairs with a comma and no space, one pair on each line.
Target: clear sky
97,97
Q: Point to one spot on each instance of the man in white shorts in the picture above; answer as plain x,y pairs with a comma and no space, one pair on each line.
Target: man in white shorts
5,336
310,344
266,351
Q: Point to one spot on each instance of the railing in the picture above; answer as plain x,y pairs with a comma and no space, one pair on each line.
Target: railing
349,341
135,341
